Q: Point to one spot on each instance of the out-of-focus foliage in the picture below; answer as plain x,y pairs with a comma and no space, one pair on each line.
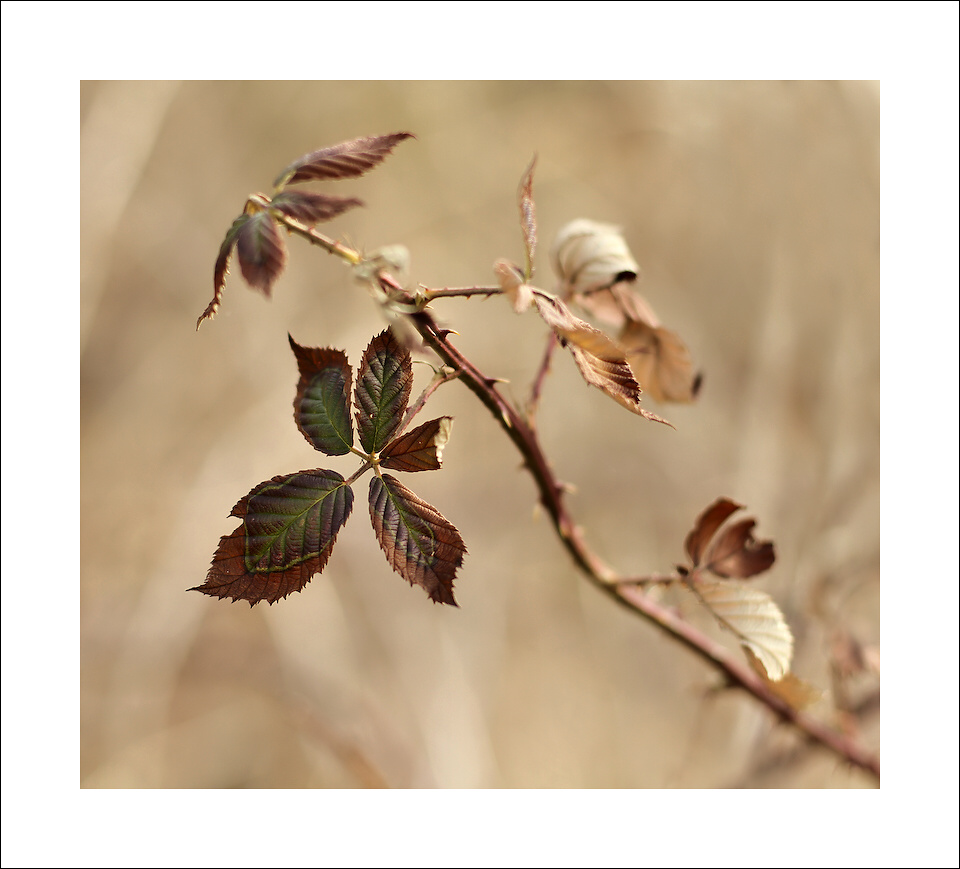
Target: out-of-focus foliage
753,212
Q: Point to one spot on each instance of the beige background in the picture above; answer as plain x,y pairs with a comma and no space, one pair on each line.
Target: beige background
753,209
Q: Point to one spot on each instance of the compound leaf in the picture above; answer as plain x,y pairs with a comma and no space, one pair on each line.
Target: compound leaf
383,390
322,405
261,251
221,267
346,160
419,543
420,449
311,208
754,618
289,526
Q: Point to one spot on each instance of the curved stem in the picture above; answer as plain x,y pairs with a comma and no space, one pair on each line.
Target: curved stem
624,591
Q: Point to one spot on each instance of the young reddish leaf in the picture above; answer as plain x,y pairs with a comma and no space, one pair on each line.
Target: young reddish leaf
420,449
261,251
322,406
221,267
661,362
346,160
528,218
600,359
311,208
383,389
754,618
290,524
736,554
706,526
420,544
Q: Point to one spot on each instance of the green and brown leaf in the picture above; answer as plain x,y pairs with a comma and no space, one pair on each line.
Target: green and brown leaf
322,404
418,541
383,390
289,526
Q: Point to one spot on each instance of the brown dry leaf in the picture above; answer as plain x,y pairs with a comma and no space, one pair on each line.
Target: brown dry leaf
754,618
513,286
528,218
793,690
733,552
707,524
661,362
600,359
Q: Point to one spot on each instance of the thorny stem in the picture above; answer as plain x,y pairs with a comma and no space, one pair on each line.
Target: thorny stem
624,591
449,292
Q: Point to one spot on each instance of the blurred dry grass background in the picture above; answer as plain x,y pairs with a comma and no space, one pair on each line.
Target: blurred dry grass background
753,209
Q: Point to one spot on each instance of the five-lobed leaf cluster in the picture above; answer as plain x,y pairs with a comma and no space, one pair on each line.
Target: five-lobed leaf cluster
289,524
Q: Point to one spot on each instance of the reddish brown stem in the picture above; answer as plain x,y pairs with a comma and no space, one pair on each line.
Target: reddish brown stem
735,671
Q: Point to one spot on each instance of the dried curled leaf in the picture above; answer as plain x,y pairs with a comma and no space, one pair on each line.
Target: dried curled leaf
791,688
512,283
661,362
311,208
733,552
261,251
289,526
528,218
754,618
420,449
321,408
346,160
383,390
587,255
418,541
600,359
221,267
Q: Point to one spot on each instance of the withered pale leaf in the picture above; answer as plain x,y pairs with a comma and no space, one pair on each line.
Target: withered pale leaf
420,449
587,255
311,208
418,541
707,524
346,160
617,304
261,251
513,286
754,618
